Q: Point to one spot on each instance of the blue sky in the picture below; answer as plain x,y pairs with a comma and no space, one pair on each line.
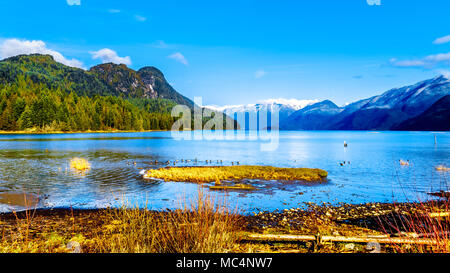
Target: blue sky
239,52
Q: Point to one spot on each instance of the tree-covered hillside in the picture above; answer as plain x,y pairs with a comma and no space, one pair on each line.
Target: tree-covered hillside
37,92
104,79
26,104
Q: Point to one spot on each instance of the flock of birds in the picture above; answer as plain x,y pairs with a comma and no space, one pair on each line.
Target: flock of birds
344,162
184,161
440,168
404,163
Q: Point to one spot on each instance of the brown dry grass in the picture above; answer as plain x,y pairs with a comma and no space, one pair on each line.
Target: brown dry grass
203,226
200,226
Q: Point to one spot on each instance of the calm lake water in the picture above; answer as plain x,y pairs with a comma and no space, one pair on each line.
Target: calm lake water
39,164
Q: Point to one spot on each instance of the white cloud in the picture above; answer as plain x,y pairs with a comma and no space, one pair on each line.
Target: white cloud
140,18
13,47
107,55
73,2
443,57
160,44
179,58
442,40
260,73
373,2
407,63
427,62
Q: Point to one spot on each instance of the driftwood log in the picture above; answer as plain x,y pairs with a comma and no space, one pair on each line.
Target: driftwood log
381,239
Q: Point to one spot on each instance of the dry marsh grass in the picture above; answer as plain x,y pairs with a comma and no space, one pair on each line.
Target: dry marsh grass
26,236
200,226
217,174
204,226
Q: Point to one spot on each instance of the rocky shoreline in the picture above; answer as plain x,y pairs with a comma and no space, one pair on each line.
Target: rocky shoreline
371,219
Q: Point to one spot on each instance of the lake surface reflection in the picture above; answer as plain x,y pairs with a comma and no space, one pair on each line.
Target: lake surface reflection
39,165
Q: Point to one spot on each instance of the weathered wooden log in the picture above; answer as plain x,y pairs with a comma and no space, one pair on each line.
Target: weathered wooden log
381,239
281,237
439,214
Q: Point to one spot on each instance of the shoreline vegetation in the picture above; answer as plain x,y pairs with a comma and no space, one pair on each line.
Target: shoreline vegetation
206,226
36,131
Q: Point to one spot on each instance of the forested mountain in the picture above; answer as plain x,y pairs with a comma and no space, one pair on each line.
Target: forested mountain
37,92
153,79
147,82
104,79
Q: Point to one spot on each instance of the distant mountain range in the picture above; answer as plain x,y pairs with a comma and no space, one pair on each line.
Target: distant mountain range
422,106
286,108
390,109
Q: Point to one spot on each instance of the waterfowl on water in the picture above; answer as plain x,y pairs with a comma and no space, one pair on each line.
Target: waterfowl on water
345,144
404,163
442,168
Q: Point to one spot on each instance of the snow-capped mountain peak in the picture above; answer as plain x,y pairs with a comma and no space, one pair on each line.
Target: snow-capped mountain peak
292,104
285,106
446,75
